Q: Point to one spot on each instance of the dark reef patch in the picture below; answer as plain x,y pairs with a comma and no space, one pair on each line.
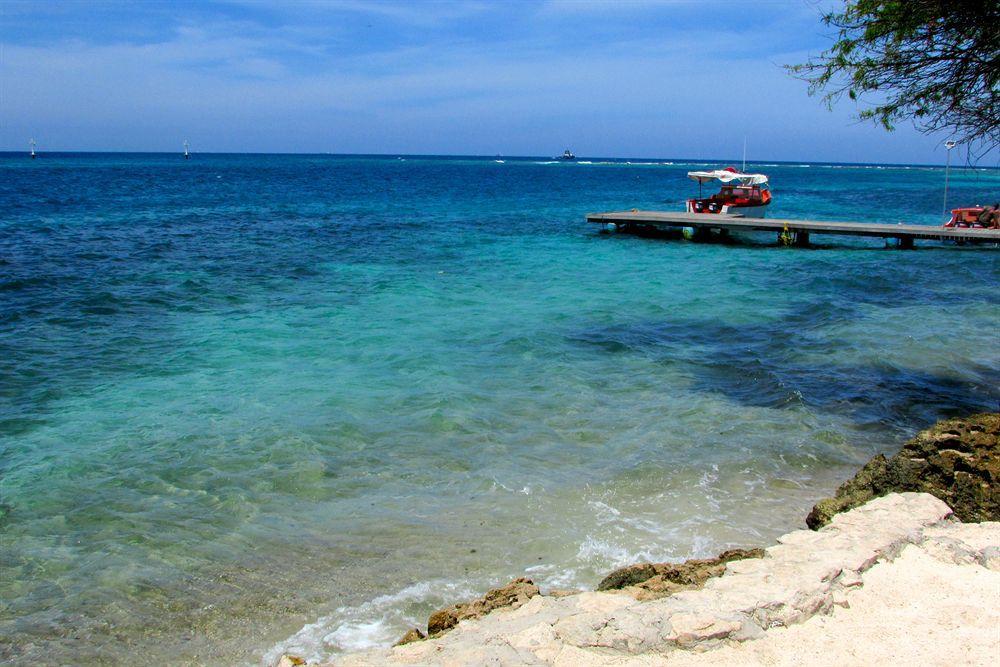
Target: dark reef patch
759,365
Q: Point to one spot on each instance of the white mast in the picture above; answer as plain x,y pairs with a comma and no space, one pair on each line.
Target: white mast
32,149
948,145
744,153
186,154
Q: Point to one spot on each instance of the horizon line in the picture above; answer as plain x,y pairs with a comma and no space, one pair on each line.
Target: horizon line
579,158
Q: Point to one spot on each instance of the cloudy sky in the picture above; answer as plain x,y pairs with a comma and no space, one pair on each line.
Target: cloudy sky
627,79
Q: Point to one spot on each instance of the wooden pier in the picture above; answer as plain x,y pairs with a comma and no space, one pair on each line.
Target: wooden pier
794,232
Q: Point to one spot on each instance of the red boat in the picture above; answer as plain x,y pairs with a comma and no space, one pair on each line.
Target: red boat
741,194
977,217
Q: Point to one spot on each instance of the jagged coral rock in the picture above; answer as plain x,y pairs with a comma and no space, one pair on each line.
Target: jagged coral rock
412,635
513,594
648,581
957,460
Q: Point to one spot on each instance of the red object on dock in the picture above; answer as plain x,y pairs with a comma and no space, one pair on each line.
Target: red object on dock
973,217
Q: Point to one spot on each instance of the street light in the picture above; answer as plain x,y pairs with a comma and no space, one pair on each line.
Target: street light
949,145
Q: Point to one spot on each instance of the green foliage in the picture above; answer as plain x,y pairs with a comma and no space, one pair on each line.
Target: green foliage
932,61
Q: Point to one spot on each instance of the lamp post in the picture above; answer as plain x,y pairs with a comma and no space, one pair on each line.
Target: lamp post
948,145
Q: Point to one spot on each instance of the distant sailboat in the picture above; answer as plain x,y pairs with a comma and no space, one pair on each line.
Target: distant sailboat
187,155
32,149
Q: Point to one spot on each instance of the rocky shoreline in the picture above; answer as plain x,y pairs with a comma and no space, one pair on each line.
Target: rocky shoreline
957,460
937,498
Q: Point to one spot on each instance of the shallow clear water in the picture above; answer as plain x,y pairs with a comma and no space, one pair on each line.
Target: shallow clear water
261,402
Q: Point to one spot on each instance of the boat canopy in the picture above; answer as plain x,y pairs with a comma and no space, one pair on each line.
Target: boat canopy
727,175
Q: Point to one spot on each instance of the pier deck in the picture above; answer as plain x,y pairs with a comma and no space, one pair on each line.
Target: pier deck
799,230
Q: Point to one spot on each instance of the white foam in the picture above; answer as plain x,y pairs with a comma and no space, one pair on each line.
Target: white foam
497,484
603,508
558,576
702,546
358,636
707,478
600,554
375,623
609,516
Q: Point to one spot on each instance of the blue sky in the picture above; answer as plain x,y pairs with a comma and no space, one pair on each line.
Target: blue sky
628,79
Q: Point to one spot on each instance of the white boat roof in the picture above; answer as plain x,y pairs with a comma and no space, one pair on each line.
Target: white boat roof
726,176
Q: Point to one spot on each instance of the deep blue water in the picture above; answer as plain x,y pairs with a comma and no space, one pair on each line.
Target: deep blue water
243,394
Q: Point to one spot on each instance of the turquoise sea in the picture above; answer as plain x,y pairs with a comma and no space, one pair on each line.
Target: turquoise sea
254,403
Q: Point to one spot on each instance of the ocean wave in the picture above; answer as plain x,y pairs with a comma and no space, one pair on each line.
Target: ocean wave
525,490
378,622
383,619
621,163
594,554
605,554
606,514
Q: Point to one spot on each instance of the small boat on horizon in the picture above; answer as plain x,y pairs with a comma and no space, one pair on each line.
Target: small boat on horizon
567,155
742,194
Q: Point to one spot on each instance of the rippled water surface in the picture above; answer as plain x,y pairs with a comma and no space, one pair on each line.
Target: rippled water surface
250,403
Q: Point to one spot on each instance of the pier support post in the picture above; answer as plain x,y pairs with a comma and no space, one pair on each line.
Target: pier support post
905,243
802,239
702,234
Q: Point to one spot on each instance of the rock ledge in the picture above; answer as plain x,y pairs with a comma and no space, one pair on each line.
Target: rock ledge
806,574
